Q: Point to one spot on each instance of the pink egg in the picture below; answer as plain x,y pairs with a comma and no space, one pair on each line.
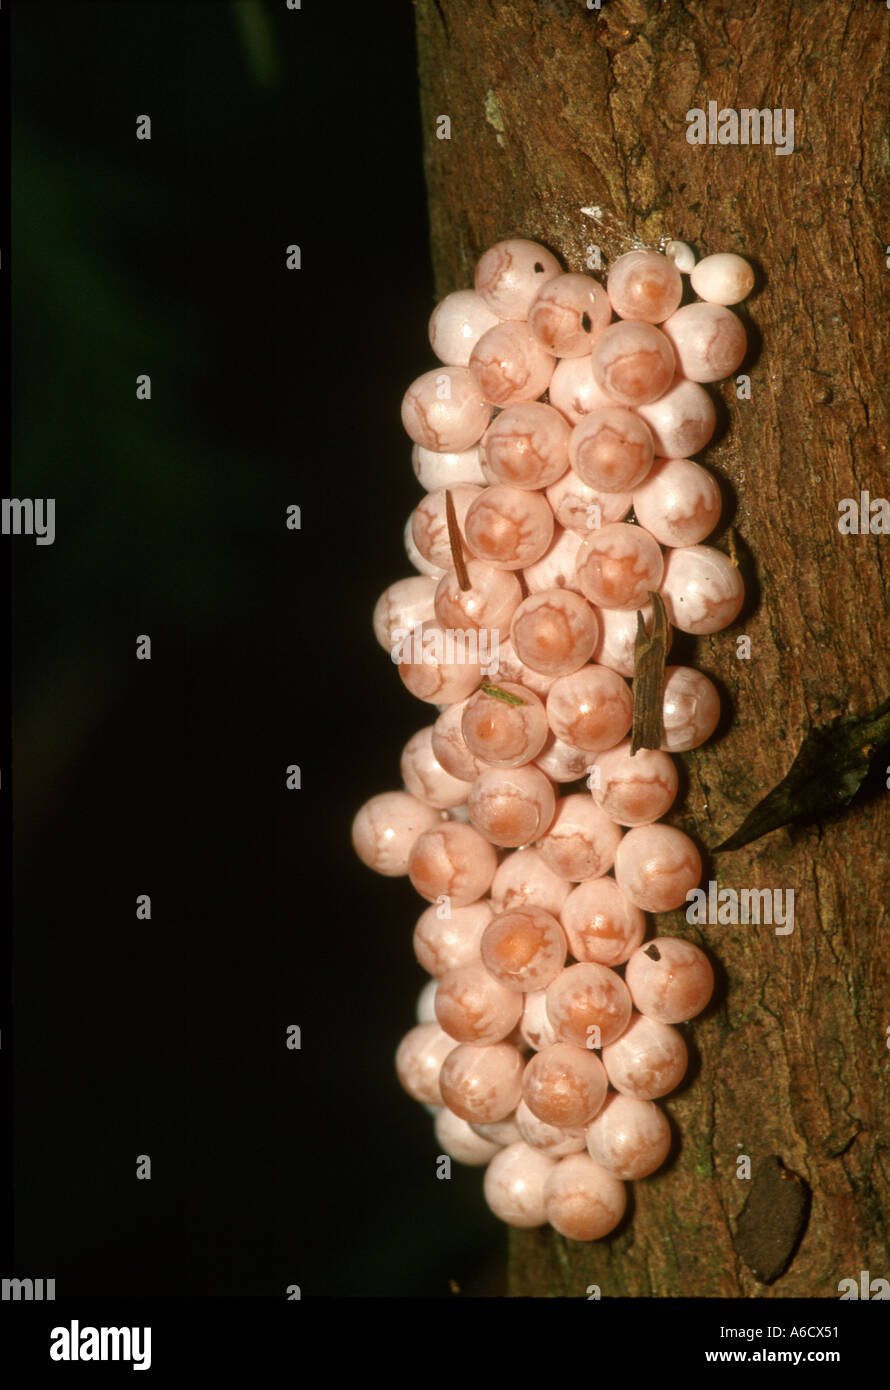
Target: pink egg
591,708
503,734
508,528
619,566
452,860
709,341
554,631
425,1008
678,503
682,420
429,524
561,762
644,285
510,668
514,1185
583,509
523,949
647,1061
526,445
434,470
556,569
702,589
601,924
511,806
419,1060
669,980
439,665
441,943
581,841
657,866
460,1142
588,1005
473,1007
582,1200
456,325
629,1137
386,829
632,362
568,313
574,390
449,747
403,604
425,777
489,602
482,1083
523,880
549,1139
508,366
564,1085
611,449
511,274
536,1029
415,559
445,410
634,789
500,1132
691,708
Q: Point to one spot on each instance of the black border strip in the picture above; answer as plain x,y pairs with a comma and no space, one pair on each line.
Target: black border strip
6,929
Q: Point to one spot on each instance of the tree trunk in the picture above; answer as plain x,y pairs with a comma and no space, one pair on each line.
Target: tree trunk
555,108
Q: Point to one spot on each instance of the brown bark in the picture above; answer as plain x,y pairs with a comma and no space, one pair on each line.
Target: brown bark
554,108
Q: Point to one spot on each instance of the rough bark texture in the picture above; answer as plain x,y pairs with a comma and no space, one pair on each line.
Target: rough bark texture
554,108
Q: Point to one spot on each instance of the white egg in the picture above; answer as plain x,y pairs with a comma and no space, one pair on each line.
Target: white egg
722,279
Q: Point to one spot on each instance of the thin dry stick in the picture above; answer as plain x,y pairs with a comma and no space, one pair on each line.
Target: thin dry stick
456,543
650,651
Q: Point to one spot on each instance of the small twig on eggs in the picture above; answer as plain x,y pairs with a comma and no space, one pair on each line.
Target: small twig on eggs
650,651
454,539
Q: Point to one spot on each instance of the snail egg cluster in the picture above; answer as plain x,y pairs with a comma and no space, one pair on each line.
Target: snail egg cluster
554,443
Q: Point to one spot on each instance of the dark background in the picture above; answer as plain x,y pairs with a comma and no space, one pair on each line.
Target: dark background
269,1167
